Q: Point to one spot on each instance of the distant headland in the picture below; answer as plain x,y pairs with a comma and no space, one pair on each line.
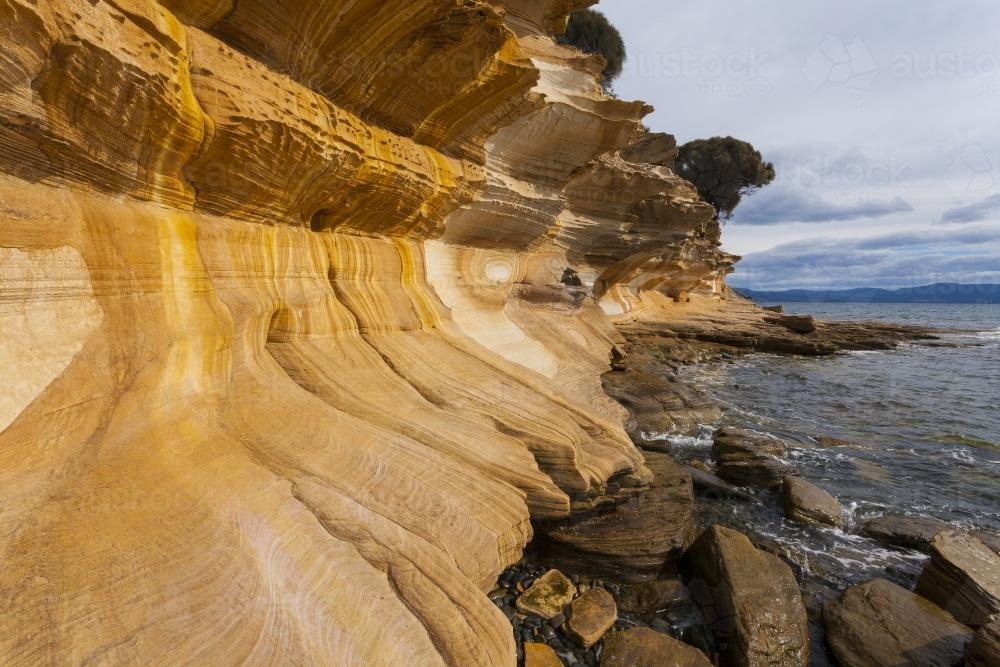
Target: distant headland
935,293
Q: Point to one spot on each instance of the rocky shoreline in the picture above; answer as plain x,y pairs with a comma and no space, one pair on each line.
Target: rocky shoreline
644,580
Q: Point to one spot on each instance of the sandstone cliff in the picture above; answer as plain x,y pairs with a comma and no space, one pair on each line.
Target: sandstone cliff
289,366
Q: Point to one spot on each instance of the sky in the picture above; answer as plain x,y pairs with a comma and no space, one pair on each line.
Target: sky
882,119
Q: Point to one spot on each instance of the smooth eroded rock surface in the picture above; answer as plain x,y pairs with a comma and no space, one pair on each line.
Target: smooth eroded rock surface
880,624
290,371
749,598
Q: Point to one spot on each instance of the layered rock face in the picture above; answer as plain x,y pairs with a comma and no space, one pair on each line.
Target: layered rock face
290,370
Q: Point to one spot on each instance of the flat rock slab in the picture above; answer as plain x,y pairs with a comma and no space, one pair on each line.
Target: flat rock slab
540,655
642,647
590,616
649,597
963,577
749,598
984,651
905,531
880,624
631,541
547,596
807,503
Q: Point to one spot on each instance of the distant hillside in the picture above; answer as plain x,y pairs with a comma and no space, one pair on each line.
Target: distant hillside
936,293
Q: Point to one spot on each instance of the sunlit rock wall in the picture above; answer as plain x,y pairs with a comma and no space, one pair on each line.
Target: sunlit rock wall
289,365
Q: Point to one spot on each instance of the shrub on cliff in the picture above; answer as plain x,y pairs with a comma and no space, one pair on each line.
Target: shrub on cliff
591,32
724,170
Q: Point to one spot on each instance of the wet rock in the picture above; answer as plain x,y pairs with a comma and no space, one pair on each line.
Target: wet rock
749,598
652,596
540,655
984,651
547,596
642,647
807,503
743,443
881,624
762,472
633,540
992,540
748,458
590,616
963,577
904,531
706,484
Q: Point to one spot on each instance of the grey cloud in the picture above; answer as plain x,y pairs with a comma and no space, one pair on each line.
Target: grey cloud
977,212
788,205
891,260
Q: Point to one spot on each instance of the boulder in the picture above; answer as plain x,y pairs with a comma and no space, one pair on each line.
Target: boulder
904,531
649,597
642,647
742,443
763,472
540,655
802,324
984,650
630,541
807,503
880,624
963,577
749,598
748,458
547,596
590,616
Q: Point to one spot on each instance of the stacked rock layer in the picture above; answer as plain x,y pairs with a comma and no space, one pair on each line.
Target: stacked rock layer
290,369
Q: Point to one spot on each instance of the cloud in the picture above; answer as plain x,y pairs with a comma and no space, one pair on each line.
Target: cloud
781,206
889,261
983,210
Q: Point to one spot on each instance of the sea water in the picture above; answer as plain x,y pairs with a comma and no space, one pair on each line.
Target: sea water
920,425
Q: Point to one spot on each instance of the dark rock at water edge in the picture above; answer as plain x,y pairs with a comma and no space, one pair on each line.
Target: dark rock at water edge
984,651
963,577
750,599
807,503
641,647
904,531
633,540
880,624
748,458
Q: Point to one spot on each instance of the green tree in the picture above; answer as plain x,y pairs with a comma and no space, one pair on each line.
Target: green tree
591,32
724,170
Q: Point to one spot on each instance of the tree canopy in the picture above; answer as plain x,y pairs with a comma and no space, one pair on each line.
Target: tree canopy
724,170
591,32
